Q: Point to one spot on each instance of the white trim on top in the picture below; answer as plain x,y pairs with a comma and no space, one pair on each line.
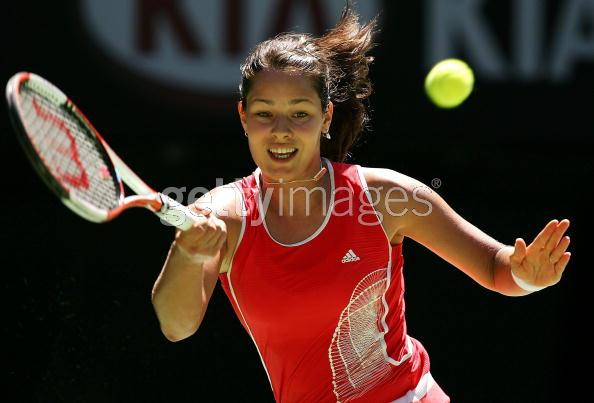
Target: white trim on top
328,212
409,346
370,200
239,239
420,391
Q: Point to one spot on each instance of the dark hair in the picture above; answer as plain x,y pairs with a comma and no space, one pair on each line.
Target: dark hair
339,67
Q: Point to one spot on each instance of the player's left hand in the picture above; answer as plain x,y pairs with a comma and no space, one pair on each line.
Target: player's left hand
542,262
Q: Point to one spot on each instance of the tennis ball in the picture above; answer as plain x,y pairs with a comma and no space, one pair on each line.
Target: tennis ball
449,83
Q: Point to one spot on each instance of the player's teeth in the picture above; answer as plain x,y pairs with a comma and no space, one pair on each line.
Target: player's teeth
282,150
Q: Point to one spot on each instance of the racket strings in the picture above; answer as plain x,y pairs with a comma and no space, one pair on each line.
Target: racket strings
69,150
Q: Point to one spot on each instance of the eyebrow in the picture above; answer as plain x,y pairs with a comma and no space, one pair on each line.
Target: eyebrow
291,102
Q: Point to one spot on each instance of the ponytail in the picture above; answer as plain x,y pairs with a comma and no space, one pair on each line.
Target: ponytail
346,46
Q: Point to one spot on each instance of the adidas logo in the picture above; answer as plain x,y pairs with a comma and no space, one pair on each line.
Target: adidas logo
350,257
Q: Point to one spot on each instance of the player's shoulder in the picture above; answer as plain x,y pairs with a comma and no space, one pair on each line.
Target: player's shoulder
385,179
224,200
393,195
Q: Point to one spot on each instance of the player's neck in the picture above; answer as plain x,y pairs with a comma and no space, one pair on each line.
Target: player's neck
297,199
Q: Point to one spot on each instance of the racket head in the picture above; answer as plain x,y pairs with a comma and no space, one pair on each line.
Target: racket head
63,147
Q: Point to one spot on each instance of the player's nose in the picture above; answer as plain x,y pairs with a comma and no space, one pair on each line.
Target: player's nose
281,128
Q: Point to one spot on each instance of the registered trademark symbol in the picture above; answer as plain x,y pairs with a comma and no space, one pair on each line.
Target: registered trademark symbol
436,183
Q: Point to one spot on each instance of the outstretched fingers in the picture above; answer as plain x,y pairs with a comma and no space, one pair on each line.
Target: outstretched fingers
562,263
556,236
519,252
544,236
560,249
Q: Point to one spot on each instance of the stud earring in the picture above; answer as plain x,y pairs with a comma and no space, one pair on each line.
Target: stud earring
245,134
326,135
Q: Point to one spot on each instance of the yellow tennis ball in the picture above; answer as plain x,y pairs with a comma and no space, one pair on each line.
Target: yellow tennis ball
449,83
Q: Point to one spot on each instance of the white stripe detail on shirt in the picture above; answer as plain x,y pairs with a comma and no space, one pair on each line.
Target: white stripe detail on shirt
416,394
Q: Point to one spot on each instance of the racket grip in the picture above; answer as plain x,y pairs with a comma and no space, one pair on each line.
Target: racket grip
176,214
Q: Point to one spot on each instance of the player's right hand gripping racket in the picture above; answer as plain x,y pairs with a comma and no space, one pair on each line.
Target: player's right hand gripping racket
74,161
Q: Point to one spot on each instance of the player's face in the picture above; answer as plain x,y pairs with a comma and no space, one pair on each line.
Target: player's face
284,121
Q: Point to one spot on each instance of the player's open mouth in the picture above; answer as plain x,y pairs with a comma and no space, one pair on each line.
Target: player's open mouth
282,153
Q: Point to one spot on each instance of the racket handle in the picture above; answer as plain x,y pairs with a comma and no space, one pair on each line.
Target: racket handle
176,214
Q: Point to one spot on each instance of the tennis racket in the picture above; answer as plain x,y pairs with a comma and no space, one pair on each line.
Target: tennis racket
73,159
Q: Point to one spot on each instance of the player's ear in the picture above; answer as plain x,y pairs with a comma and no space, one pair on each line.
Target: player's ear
328,116
242,114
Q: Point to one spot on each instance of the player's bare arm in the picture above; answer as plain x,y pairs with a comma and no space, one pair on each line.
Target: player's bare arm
196,257
412,209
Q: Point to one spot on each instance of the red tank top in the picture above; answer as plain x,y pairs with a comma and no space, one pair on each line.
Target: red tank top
327,313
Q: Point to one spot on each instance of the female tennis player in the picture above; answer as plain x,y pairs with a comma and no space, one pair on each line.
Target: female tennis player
308,248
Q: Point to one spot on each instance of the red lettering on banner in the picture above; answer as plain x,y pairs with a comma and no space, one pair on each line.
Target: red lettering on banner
77,181
234,14
285,7
149,11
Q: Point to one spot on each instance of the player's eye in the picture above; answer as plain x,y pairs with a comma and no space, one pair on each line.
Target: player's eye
300,115
263,114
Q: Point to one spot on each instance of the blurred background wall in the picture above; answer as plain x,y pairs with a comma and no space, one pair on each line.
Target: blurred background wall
158,78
